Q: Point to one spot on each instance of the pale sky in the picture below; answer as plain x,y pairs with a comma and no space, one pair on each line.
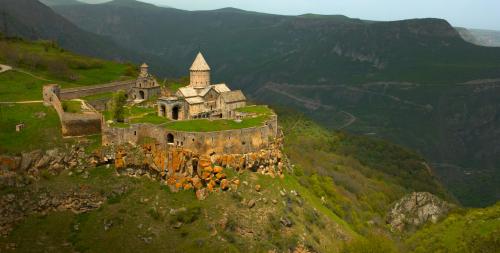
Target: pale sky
484,14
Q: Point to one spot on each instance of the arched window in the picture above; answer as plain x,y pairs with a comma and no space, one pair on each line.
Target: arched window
170,138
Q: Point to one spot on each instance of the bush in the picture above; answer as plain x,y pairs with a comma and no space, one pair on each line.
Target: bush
118,110
153,212
187,217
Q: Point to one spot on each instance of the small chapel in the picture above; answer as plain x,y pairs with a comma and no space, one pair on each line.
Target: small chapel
146,86
201,98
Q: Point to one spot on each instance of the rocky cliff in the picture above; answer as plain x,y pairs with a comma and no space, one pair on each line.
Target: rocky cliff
416,209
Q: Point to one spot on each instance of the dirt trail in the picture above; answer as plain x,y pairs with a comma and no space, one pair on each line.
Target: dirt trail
4,68
24,102
32,75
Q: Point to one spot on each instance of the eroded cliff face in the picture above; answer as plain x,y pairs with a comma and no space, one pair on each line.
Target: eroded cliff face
183,169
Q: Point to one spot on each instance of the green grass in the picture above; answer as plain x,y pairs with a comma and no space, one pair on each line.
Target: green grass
106,95
257,109
16,86
72,106
44,132
151,118
50,64
137,114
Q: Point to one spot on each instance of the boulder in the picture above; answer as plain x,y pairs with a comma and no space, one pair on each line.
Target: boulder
204,162
43,162
26,161
251,203
257,187
285,221
416,209
196,181
201,194
217,169
224,184
220,175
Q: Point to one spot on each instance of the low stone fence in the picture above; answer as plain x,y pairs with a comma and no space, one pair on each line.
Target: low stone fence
236,141
73,93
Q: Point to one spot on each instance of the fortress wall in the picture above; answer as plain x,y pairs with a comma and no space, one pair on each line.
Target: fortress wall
78,124
72,124
96,89
99,104
237,141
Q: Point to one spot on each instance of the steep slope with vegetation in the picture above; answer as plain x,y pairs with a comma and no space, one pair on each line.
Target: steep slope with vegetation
475,230
333,199
401,80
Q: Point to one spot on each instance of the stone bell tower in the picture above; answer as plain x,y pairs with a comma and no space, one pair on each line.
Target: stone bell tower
199,73
144,70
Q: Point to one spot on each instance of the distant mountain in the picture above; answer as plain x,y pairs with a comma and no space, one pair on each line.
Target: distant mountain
489,38
406,81
60,2
249,47
32,20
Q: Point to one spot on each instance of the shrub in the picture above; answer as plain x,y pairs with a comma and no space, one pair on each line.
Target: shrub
153,212
187,217
118,110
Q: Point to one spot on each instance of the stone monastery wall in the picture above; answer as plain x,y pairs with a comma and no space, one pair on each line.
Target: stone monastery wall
237,141
71,124
96,89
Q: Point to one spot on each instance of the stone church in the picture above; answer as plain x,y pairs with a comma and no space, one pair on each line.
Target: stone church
201,99
145,86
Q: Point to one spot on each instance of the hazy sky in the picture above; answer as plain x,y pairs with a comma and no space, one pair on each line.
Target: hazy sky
467,13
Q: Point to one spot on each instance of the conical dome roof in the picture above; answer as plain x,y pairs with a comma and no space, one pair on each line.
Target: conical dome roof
200,64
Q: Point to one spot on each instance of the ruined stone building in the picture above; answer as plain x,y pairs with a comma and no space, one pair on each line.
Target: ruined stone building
145,86
201,99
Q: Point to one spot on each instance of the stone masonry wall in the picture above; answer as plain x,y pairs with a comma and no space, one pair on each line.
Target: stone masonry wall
72,124
96,89
237,141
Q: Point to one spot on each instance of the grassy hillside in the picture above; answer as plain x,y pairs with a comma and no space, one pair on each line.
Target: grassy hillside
43,62
475,230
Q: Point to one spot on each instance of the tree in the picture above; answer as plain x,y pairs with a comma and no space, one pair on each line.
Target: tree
118,103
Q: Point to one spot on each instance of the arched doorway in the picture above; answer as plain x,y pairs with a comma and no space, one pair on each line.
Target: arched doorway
175,113
170,138
141,94
163,110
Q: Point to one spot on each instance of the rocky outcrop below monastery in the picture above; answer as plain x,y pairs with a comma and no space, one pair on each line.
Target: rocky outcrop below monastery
416,209
182,169
20,169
